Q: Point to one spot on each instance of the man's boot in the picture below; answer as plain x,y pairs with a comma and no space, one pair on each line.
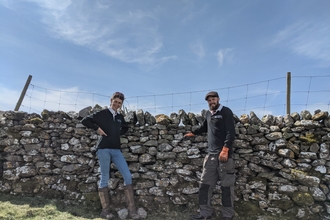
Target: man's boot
130,202
105,203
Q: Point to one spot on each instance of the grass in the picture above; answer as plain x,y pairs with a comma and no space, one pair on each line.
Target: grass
36,208
18,207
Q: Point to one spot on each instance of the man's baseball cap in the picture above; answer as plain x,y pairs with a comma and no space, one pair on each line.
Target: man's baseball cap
212,94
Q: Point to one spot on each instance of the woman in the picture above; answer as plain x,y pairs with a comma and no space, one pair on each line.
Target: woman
110,124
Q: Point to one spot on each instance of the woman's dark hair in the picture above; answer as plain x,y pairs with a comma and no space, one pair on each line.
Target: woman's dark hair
118,95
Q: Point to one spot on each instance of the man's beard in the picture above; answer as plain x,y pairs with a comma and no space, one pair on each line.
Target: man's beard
214,108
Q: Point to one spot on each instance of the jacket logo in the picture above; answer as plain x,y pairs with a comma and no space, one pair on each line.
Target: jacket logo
218,116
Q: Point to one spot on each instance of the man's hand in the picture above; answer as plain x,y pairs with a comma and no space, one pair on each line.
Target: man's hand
101,132
190,134
224,154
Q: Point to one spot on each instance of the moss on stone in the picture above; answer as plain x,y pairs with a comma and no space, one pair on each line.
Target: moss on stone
36,121
296,173
250,208
303,198
92,200
309,138
284,204
45,114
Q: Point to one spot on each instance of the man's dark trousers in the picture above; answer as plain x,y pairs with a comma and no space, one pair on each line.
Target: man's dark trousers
213,170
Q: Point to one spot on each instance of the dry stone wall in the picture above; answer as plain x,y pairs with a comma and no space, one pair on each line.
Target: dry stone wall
282,163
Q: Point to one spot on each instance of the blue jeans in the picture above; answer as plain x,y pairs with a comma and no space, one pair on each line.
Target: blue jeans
106,156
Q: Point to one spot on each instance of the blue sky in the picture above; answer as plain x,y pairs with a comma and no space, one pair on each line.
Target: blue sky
163,53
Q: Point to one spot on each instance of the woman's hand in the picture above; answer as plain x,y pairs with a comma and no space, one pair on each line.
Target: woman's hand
101,132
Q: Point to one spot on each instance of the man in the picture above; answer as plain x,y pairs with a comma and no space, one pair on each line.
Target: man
110,124
218,163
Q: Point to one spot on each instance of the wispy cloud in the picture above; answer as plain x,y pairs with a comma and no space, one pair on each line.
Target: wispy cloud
224,55
308,39
190,12
123,33
198,49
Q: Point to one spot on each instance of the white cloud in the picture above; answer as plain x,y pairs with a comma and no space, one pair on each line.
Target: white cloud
308,39
189,12
129,35
198,49
224,55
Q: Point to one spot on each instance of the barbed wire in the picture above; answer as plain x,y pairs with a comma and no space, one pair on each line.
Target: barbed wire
262,97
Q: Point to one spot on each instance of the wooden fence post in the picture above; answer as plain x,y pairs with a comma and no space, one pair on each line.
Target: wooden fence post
20,100
288,92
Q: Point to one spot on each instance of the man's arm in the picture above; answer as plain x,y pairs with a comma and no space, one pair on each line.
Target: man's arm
230,135
200,130
230,129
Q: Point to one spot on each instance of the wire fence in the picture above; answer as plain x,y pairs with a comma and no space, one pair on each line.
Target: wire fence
263,97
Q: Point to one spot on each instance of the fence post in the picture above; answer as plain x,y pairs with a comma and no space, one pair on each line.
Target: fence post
288,92
23,93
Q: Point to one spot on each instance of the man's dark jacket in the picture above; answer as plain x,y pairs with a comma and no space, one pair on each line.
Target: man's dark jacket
220,129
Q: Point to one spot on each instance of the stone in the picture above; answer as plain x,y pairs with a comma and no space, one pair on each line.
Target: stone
85,112
303,199
287,153
162,119
184,117
317,194
268,119
288,120
320,116
149,119
244,119
131,117
306,115
282,163
140,117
